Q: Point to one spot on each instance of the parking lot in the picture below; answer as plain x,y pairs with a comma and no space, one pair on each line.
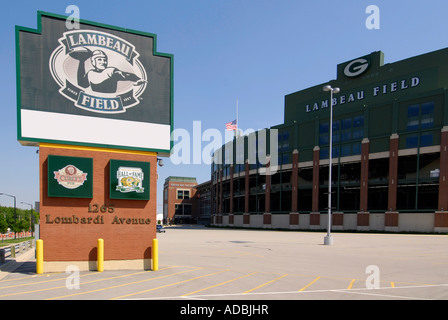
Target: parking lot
197,263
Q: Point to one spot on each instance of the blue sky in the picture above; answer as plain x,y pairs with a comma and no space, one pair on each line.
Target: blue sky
256,51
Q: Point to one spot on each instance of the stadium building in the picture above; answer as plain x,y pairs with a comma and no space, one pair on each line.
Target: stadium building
389,154
185,201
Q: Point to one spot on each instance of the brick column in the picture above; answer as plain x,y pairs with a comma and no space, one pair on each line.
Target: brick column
293,215
231,190
391,221
315,216
363,217
267,191
337,220
216,194
294,180
392,216
246,187
231,195
443,174
441,216
316,156
246,215
212,194
393,173
364,187
267,195
220,192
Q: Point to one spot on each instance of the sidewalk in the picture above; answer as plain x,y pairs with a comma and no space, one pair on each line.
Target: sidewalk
13,264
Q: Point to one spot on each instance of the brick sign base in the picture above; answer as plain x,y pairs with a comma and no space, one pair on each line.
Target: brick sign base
71,224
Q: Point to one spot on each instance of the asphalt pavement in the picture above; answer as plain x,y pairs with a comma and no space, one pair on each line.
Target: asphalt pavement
208,264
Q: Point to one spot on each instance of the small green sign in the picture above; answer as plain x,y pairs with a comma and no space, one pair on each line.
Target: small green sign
129,180
70,177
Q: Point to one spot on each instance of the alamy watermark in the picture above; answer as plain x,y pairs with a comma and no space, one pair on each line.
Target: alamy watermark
373,20
72,21
209,146
72,281
373,280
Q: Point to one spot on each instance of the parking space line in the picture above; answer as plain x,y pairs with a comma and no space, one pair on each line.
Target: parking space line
361,291
45,281
46,275
32,291
351,284
317,278
219,284
382,295
260,286
65,286
120,285
167,285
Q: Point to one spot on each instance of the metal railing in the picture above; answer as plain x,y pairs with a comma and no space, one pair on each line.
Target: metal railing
15,249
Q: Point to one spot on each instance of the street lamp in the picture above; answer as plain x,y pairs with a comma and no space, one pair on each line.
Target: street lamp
32,215
15,215
328,240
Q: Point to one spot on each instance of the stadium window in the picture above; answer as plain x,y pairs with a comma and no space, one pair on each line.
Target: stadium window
183,194
426,140
345,130
324,153
336,128
356,148
285,144
427,120
346,150
420,116
358,127
323,133
286,159
412,141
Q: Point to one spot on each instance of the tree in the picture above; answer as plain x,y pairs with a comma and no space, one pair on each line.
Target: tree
21,222
3,224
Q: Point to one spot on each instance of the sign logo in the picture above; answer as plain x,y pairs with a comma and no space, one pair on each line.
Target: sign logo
70,177
356,67
130,180
98,71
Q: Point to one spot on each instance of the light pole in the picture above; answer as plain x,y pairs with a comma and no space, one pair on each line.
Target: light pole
328,240
32,215
15,214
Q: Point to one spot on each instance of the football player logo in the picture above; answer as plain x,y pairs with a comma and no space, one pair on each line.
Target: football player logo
98,71
101,78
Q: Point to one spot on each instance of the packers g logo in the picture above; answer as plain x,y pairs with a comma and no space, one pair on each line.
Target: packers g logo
356,67
98,71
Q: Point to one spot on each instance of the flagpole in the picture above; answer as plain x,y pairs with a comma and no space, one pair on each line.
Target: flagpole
236,131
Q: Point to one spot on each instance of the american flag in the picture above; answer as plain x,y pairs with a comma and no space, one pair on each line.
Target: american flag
231,125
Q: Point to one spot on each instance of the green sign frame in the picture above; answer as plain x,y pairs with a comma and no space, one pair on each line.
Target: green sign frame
70,177
129,179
